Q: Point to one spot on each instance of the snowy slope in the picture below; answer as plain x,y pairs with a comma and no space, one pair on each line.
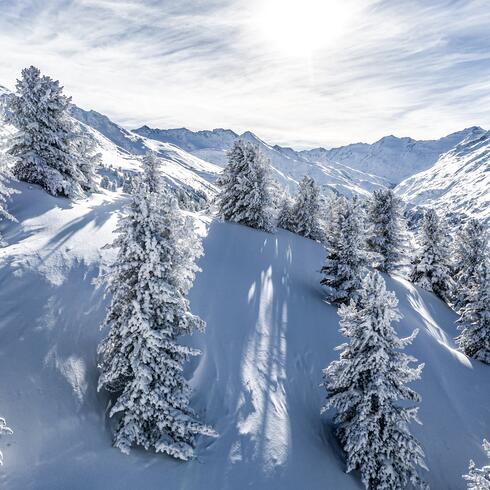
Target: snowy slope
208,145
179,168
122,150
458,183
269,335
392,158
288,166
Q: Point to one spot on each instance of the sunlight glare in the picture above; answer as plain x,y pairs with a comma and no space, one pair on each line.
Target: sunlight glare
299,27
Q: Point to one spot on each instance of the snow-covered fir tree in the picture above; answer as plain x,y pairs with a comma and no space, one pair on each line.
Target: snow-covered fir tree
431,264
127,185
388,239
5,192
306,210
346,260
469,251
105,183
365,387
142,359
285,216
479,478
474,321
151,164
245,195
4,429
87,159
44,147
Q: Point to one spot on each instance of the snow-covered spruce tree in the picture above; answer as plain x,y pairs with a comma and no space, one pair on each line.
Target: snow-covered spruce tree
285,216
151,164
141,359
388,239
105,183
365,387
4,430
5,192
479,478
431,264
306,210
469,251
127,185
244,195
346,260
474,321
44,147
87,159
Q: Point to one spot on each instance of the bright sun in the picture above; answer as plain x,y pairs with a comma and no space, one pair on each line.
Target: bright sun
299,27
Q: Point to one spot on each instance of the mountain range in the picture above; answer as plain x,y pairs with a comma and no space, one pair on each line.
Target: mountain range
450,173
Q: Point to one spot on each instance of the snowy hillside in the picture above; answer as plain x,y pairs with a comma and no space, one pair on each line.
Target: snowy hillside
122,150
269,334
458,183
392,158
288,165
208,145
179,168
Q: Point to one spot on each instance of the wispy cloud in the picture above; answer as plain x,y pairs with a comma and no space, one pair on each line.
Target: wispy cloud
303,72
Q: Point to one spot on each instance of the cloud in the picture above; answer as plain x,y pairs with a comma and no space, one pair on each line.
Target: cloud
301,72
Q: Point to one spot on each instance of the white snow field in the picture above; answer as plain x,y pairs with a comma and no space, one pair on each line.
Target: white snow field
269,335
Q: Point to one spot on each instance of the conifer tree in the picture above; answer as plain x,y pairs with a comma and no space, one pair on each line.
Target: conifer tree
431,265
474,321
105,183
151,164
365,387
141,359
44,148
4,429
127,185
479,478
469,252
346,260
244,195
306,210
87,159
5,192
285,217
388,235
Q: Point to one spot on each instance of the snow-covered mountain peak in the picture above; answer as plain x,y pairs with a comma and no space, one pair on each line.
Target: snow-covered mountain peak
392,157
458,184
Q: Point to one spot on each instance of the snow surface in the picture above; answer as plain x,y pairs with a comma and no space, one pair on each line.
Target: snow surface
269,335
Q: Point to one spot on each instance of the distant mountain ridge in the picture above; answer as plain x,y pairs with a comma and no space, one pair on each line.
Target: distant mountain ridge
391,158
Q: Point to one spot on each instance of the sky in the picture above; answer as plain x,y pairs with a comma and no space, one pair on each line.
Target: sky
302,73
